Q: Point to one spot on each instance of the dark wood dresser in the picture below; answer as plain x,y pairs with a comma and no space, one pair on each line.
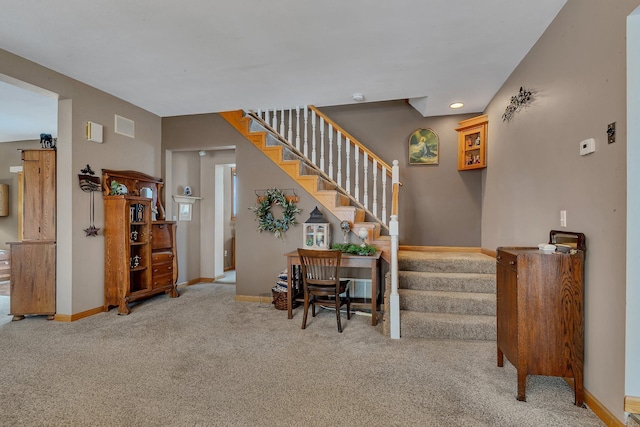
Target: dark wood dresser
540,314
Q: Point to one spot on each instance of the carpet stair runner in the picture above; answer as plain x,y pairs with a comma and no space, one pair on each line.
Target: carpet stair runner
447,295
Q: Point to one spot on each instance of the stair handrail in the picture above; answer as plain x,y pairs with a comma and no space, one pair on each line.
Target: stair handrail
354,141
301,132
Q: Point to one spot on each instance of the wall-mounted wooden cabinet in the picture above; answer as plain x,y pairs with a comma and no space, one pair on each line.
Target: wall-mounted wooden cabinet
472,143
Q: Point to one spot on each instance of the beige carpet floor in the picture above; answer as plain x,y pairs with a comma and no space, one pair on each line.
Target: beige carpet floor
206,360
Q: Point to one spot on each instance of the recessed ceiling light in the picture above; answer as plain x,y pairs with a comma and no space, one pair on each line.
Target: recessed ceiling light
358,97
456,105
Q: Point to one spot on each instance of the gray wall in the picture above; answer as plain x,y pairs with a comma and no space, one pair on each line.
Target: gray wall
80,260
577,69
439,206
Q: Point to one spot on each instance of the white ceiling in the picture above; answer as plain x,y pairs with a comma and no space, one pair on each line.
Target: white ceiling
200,56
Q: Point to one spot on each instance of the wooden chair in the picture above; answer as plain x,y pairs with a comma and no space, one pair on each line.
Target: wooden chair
321,282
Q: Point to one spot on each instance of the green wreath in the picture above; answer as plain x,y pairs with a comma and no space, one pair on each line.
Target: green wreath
265,218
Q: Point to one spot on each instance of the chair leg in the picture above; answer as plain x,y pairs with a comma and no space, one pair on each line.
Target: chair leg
306,310
348,305
338,312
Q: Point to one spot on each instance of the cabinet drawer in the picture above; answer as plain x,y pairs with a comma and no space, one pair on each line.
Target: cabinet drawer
161,237
162,280
507,259
163,268
160,257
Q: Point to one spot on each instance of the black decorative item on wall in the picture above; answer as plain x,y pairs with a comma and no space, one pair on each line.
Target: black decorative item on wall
518,101
89,183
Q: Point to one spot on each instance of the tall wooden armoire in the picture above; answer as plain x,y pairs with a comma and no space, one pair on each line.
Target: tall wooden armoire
33,259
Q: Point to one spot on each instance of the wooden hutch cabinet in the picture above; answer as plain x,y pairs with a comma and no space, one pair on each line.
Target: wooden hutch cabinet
540,314
140,246
33,259
472,143
39,195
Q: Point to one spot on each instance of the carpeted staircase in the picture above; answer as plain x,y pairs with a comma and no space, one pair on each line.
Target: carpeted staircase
447,295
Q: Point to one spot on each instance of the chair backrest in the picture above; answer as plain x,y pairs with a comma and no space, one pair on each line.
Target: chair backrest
320,267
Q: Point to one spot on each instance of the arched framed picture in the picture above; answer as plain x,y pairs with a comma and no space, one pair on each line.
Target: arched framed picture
424,145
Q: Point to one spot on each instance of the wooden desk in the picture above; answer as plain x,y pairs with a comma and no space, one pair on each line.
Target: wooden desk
294,284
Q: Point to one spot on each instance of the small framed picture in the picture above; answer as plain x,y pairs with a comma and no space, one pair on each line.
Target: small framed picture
423,147
185,212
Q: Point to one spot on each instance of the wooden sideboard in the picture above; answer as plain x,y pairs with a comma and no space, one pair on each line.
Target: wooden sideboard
540,314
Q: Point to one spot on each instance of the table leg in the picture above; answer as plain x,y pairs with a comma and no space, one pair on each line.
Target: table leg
290,289
375,283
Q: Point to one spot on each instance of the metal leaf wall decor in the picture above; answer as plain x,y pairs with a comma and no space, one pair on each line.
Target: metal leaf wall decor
523,98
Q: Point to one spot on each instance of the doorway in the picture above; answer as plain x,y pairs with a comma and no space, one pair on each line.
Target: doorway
26,111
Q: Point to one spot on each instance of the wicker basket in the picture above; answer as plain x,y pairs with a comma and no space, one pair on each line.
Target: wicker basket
279,300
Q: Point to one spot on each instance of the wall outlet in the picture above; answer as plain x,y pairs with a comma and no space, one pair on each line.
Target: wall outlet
225,252
563,218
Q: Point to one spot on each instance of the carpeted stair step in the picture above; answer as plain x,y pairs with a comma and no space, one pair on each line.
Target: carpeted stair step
456,282
415,324
446,262
466,303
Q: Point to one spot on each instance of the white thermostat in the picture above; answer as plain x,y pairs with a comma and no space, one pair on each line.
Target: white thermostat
587,146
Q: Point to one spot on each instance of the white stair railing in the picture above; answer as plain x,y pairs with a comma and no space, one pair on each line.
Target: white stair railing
370,174
295,132
394,297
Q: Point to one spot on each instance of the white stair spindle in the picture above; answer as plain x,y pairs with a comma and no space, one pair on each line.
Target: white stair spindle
331,151
282,134
356,159
290,130
365,179
347,149
384,195
313,137
321,165
306,132
274,124
266,116
374,205
298,128
339,156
